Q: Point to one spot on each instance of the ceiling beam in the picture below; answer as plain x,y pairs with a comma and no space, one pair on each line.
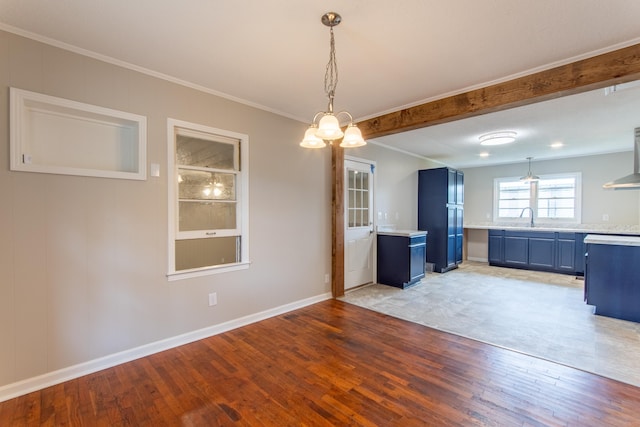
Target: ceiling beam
619,66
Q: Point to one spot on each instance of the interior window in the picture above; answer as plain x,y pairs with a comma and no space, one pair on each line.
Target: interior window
208,199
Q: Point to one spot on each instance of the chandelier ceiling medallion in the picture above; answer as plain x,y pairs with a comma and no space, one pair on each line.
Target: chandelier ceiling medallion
325,125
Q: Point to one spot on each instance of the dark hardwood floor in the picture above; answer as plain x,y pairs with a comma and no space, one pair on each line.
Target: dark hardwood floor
332,364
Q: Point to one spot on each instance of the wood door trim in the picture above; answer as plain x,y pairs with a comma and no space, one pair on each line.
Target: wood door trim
618,66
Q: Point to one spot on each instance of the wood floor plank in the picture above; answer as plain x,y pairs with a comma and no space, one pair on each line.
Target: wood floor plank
332,364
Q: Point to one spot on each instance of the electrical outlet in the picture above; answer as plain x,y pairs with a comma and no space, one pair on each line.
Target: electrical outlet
213,299
605,217
327,278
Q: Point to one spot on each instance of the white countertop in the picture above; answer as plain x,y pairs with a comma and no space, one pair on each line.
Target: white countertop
612,240
402,233
569,228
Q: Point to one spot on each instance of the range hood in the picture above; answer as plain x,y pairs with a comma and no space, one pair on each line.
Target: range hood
629,182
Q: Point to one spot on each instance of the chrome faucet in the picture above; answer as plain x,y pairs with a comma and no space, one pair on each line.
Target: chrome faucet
522,213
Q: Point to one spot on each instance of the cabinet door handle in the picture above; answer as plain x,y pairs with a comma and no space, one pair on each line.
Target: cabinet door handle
210,233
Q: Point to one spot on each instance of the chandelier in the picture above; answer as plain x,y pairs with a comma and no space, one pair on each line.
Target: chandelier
325,125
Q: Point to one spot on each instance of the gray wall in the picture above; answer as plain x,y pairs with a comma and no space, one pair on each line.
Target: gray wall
621,206
83,260
397,185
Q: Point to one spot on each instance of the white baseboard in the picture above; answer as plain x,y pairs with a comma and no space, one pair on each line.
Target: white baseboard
478,259
29,385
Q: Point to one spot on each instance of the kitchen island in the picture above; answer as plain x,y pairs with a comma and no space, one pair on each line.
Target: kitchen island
612,277
401,257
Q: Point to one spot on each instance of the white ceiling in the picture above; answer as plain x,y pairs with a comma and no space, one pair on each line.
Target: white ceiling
272,54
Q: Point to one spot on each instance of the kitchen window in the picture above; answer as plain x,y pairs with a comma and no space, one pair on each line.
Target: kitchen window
554,198
208,200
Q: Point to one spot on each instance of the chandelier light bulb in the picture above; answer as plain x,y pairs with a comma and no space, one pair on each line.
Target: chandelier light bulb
310,139
352,137
329,128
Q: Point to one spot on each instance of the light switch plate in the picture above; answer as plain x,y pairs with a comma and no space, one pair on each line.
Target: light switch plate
213,299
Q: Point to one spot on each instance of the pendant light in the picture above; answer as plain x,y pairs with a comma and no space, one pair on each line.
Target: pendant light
325,125
529,177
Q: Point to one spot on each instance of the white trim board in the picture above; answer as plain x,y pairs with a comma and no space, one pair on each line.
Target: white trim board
39,382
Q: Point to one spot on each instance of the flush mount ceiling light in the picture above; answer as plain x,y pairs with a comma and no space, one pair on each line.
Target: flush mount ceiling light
325,125
498,138
529,177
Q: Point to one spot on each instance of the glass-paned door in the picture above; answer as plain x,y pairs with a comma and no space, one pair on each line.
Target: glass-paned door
358,223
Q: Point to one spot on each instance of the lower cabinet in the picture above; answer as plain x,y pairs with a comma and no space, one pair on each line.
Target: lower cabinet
570,253
557,252
401,258
516,250
542,251
611,280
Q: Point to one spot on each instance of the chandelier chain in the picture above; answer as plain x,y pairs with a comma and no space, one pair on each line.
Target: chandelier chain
331,73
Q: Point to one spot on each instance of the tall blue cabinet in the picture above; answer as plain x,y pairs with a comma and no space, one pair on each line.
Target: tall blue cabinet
441,213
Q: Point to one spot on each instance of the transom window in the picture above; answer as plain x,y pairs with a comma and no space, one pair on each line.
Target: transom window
208,196
552,198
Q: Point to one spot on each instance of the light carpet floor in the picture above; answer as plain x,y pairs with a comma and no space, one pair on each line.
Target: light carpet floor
540,314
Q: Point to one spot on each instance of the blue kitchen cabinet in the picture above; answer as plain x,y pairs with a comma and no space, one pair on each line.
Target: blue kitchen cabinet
516,249
459,232
401,258
496,246
537,250
612,282
542,250
567,250
441,213
579,261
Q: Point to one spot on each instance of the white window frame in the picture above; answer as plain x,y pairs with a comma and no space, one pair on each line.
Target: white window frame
60,136
577,219
242,201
